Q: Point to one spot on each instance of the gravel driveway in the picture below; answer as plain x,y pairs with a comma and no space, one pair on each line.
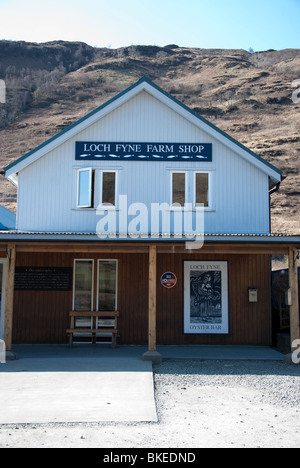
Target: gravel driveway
200,404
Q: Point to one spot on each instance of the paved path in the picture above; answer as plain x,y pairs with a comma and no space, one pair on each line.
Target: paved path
93,383
45,390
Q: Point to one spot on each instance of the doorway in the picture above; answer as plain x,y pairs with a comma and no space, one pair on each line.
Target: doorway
95,288
2,295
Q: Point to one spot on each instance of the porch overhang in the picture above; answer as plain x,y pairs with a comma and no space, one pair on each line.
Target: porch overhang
210,243
12,242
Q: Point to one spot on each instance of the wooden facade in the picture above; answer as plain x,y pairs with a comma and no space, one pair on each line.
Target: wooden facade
43,316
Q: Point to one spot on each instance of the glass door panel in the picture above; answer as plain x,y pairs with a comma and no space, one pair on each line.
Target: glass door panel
107,285
83,291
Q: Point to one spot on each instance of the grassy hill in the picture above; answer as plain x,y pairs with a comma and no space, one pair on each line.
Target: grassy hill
248,95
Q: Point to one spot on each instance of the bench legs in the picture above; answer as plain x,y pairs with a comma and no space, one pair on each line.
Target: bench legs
94,339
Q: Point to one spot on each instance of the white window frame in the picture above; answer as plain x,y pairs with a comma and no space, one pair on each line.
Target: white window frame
117,278
174,207
79,171
210,184
93,274
116,172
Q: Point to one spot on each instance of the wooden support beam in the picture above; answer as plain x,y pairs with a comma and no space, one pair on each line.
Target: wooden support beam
152,298
9,295
294,307
152,354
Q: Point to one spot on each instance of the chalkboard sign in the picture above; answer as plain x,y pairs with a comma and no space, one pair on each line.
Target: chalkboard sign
43,279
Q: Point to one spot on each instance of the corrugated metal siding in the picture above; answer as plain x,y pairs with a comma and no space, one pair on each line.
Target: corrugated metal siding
47,188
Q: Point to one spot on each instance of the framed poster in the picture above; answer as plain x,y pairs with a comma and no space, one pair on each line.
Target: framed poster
206,297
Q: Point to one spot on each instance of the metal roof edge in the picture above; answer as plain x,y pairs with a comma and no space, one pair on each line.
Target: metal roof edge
93,237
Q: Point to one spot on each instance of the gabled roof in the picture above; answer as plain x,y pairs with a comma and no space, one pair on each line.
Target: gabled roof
143,84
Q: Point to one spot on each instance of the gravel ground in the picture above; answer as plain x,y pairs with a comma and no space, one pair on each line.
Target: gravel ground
200,404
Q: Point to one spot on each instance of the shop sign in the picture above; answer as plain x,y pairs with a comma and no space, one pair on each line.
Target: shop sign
101,151
168,280
206,297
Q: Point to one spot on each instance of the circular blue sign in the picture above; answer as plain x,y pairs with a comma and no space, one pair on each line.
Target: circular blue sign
168,280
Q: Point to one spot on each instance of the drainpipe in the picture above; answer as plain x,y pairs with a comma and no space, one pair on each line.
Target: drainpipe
273,190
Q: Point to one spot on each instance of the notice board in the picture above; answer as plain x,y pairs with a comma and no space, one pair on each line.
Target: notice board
43,279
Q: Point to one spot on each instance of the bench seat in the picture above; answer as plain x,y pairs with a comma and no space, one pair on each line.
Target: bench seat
111,330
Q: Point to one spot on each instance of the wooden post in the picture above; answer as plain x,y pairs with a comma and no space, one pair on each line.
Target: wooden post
294,307
9,295
152,299
152,354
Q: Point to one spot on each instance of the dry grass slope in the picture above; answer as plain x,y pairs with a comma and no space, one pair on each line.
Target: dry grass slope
49,86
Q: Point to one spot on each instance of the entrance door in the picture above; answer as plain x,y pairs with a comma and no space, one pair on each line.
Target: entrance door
83,291
107,290
84,297
107,285
2,295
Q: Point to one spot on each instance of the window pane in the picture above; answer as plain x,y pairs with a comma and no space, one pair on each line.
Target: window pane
83,285
202,189
178,195
84,188
107,285
83,322
108,188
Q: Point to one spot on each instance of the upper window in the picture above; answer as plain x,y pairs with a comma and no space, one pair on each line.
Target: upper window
85,188
178,188
192,188
96,186
108,195
202,189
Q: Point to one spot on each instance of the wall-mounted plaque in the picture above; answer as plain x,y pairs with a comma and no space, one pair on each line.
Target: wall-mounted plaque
43,279
168,280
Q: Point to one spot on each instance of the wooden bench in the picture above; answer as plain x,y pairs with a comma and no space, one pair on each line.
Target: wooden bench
108,325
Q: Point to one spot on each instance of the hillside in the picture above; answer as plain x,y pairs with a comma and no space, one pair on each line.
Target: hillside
248,95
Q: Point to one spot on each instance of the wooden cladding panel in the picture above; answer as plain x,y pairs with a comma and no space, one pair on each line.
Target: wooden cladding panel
249,323
42,316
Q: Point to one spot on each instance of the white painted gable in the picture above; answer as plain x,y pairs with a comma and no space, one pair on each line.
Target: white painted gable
47,177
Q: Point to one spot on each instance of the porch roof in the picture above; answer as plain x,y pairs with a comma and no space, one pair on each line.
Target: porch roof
28,236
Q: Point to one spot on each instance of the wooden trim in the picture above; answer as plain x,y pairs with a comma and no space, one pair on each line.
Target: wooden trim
75,313
9,295
294,307
242,249
78,247
143,247
152,299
